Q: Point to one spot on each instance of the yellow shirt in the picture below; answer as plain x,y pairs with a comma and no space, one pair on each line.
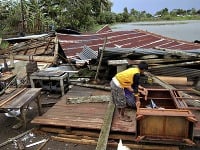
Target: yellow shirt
125,77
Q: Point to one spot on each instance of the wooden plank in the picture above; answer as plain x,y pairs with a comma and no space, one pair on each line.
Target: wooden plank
165,112
48,59
19,101
85,124
127,137
62,114
177,52
114,144
105,130
56,51
80,116
174,80
10,98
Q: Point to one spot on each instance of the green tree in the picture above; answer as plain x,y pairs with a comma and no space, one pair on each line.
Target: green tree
125,15
163,12
106,17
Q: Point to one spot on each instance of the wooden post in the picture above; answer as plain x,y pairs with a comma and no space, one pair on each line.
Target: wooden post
12,64
56,51
101,57
105,129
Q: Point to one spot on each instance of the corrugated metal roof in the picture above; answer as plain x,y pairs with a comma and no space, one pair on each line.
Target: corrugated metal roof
72,44
87,53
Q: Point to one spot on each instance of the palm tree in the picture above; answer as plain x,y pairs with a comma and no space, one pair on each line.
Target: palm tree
22,17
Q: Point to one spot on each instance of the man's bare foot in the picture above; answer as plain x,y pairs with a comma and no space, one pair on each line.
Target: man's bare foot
125,118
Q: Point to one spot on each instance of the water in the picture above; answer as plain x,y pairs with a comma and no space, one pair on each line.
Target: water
181,30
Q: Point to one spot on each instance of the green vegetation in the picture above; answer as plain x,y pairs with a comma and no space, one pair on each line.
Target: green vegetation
3,44
19,17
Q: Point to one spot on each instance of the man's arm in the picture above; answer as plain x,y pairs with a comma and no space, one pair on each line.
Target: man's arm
143,91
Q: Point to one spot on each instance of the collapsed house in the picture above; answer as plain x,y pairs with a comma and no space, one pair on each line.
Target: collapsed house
87,105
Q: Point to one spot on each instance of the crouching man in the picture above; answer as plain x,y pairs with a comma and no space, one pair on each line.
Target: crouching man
125,89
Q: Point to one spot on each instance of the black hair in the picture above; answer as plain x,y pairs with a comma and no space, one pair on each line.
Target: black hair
143,65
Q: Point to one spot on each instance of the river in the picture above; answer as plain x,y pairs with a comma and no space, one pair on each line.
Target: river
181,30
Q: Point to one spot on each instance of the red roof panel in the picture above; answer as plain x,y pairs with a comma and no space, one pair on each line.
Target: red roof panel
73,44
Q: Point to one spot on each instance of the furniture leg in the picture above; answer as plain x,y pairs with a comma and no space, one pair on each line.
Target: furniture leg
38,101
32,83
23,116
62,87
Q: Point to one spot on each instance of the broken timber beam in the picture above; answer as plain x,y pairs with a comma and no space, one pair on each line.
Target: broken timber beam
114,144
160,61
105,129
94,134
56,51
179,53
47,59
88,99
177,64
174,80
92,86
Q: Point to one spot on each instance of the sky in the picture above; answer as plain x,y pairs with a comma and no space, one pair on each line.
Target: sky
152,6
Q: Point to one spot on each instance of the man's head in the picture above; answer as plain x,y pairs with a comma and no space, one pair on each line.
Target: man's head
142,66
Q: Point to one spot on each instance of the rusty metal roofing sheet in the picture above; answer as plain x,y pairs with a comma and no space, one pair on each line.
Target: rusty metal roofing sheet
72,44
44,45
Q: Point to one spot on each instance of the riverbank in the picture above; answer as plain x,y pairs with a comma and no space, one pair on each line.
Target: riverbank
187,30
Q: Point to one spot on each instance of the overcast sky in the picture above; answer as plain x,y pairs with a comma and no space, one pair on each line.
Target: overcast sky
152,6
